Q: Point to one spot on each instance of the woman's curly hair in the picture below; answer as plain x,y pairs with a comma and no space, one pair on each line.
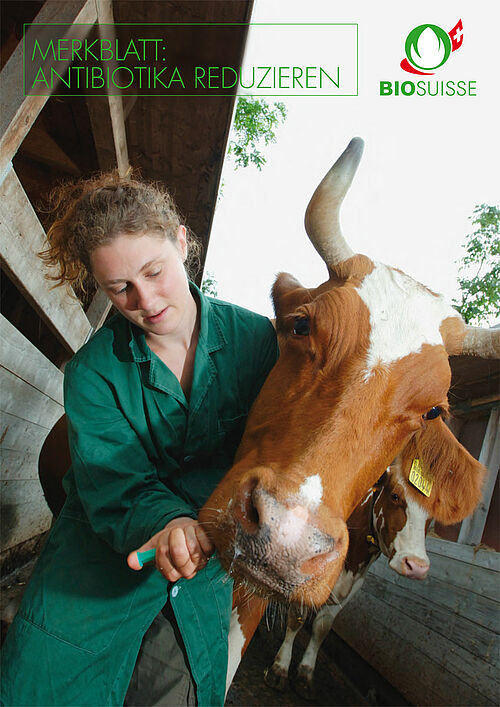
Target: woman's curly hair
92,212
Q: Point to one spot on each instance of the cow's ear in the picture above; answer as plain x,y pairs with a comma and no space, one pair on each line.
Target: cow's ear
457,478
287,295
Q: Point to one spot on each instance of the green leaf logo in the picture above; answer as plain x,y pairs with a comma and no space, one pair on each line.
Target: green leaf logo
428,47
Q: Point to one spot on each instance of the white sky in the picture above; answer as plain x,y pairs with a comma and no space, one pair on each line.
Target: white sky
427,162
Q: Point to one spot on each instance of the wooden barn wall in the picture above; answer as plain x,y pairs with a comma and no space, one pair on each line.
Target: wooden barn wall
32,402
437,640
32,385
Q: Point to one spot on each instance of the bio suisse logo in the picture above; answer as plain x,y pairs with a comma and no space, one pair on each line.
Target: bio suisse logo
428,48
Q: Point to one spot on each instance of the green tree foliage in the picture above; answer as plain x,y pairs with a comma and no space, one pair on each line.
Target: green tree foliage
254,124
209,284
479,270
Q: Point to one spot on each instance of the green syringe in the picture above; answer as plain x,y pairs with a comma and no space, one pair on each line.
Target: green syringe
146,556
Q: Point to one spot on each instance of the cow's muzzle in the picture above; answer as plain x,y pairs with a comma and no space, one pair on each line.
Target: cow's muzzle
282,548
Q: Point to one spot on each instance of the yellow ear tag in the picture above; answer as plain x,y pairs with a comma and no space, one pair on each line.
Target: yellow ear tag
421,479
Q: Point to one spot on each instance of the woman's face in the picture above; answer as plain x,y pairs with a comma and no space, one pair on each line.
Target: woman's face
144,278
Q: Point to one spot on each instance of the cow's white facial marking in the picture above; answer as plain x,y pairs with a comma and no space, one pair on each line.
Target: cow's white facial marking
410,540
404,315
311,491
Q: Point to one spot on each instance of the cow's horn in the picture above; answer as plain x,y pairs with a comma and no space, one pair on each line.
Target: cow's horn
463,340
481,342
322,214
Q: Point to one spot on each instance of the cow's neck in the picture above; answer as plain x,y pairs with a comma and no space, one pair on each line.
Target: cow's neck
361,551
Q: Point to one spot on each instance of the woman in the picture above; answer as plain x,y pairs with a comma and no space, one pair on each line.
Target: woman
156,402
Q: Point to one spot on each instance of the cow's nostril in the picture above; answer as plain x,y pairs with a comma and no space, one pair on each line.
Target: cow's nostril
415,568
246,511
327,549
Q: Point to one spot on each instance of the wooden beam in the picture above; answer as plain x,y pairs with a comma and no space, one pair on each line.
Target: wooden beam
472,527
23,359
102,131
465,407
19,112
451,553
107,118
98,310
106,113
22,238
119,136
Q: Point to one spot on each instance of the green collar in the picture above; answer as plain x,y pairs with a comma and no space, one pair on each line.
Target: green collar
211,338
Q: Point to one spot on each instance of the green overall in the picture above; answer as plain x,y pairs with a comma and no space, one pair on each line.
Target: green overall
141,456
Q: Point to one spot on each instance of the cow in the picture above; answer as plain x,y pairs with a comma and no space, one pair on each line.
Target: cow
436,449
387,521
363,376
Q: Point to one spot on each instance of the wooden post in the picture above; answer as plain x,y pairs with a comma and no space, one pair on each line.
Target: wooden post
472,528
98,311
22,238
107,118
106,113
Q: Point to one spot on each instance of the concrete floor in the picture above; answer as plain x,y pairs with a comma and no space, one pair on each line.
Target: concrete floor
342,677
11,592
333,687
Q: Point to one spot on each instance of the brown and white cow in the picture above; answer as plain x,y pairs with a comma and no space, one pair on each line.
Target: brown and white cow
388,521
442,459
363,375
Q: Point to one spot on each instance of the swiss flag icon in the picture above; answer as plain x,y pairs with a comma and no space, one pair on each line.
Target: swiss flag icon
457,35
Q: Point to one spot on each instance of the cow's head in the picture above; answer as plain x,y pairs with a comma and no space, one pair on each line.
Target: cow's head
400,523
363,370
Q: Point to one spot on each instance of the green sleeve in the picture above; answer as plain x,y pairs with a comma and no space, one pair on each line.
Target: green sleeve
117,483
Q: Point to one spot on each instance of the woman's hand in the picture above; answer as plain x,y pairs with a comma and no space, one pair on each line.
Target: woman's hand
182,549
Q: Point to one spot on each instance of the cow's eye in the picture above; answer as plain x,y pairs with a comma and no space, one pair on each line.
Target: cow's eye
433,413
394,496
302,326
